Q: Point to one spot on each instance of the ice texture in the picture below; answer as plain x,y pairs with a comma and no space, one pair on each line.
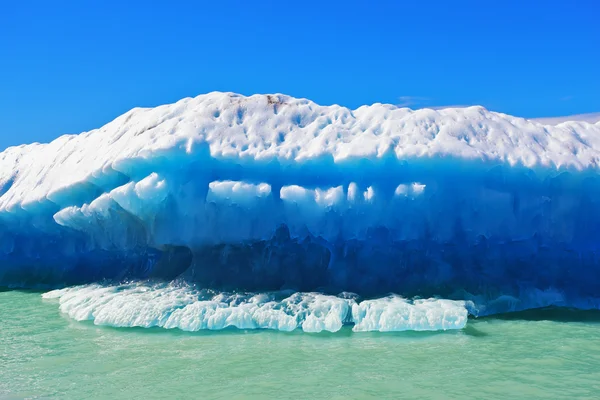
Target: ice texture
269,192
187,308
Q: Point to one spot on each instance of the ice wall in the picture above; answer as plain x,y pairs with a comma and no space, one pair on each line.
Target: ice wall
272,192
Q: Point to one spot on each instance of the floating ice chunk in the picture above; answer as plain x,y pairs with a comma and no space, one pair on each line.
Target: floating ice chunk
394,313
190,309
325,313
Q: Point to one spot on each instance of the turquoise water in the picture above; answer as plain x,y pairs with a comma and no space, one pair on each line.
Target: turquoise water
45,354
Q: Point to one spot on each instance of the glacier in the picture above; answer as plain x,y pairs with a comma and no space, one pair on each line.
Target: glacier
269,193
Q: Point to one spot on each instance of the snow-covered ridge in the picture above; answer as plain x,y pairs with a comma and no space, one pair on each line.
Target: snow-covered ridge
218,127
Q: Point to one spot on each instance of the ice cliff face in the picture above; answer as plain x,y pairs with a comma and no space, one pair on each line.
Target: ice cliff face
272,192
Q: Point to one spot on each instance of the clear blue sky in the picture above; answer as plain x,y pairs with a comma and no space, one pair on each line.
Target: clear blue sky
70,66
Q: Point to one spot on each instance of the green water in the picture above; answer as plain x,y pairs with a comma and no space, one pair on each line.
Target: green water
43,354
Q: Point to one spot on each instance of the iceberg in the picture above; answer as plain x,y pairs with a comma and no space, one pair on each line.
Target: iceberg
269,192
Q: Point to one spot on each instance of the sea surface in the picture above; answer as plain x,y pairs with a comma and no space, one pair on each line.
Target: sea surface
541,354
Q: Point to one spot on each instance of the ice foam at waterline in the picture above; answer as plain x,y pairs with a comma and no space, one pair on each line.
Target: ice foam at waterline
190,309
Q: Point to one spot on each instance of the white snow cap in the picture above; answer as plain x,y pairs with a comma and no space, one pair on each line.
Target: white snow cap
220,127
